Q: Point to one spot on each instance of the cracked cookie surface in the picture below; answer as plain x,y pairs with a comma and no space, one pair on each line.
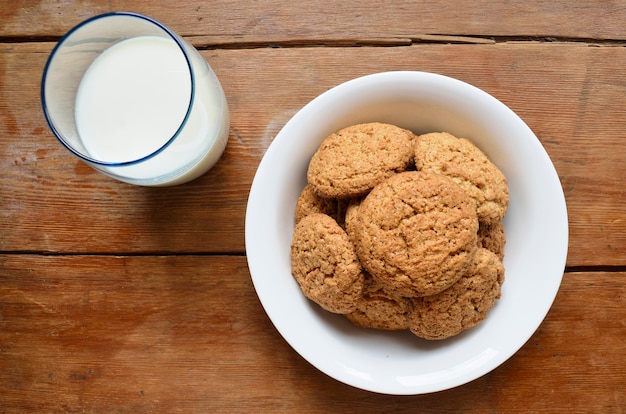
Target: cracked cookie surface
325,265
380,308
309,202
416,233
492,237
469,167
350,162
464,304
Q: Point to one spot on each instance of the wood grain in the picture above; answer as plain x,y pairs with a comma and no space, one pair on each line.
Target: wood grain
188,334
280,21
572,96
115,298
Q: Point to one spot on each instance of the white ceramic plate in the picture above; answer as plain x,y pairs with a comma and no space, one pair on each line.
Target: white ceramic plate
535,227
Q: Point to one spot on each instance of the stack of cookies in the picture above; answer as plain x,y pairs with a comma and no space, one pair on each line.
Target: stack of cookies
398,231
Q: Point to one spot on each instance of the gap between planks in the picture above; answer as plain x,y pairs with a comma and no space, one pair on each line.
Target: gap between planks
204,42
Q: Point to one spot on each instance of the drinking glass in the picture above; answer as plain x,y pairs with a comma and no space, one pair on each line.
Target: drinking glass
132,99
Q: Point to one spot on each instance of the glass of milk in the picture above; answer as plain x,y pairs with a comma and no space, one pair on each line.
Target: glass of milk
132,99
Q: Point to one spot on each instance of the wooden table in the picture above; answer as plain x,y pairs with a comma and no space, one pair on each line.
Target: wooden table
116,298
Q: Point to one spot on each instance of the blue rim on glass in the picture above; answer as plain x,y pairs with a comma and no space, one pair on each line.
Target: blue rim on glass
60,137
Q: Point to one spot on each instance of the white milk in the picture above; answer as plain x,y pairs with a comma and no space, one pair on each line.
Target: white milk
134,97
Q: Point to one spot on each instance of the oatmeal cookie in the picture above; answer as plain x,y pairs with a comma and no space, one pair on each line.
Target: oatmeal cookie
310,202
469,167
492,238
353,160
416,233
325,265
380,309
350,216
464,304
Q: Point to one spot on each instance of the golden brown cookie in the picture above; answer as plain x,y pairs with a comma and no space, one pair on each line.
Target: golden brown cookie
353,160
469,167
416,233
492,237
325,265
310,202
380,309
350,216
464,304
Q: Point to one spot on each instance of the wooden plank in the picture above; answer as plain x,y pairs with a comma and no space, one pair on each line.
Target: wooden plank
331,21
168,334
572,96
